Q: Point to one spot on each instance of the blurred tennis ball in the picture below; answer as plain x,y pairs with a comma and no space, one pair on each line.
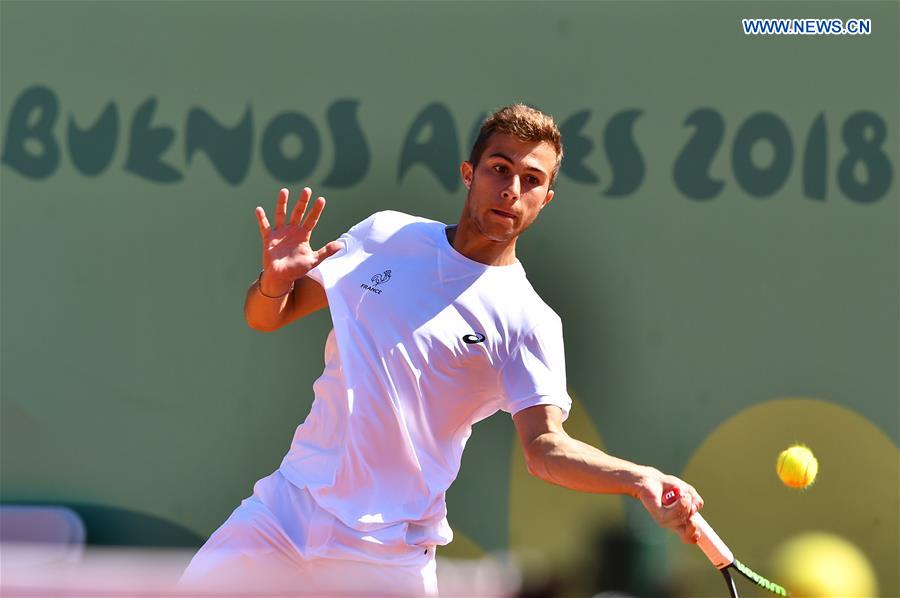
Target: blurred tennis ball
797,466
823,565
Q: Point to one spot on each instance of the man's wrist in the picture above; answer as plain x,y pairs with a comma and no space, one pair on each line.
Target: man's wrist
647,478
272,289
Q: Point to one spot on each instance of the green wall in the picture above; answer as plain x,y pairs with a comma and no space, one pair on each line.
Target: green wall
700,272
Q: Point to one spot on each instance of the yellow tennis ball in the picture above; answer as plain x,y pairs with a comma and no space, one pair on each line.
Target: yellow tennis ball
823,565
797,466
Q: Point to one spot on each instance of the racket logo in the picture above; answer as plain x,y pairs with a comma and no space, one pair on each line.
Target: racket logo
670,497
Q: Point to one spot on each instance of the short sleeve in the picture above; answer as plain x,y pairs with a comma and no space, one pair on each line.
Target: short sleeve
535,372
329,270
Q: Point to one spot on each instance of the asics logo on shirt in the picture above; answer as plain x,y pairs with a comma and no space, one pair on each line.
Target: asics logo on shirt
471,339
377,280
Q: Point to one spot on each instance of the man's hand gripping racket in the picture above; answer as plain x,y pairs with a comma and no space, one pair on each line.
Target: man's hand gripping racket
719,554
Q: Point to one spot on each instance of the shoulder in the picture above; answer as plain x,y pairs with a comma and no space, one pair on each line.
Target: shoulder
522,315
542,320
533,312
395,219
390,225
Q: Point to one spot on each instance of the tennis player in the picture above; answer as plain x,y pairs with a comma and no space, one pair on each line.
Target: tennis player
435,328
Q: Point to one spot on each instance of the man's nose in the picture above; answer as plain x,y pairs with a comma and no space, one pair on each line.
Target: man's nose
512,191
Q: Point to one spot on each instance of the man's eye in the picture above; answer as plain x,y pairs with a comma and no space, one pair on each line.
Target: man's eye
500,168
533,180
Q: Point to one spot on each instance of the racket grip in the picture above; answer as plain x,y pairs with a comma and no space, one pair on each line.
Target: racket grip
710,543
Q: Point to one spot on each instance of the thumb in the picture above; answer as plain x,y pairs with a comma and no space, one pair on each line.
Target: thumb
328,250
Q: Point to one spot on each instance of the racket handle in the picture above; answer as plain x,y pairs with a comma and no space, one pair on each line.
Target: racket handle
710,543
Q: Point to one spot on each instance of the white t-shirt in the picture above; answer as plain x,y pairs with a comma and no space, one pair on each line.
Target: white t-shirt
426,342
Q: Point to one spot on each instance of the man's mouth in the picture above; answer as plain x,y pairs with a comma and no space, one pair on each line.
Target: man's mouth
503,214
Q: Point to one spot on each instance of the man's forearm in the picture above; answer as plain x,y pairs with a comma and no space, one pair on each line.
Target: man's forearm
266,303
558,458
268,308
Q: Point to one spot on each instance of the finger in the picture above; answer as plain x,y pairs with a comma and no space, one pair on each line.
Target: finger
682,508
302,202
670,518
698,500
313,217
281,208
690,533
688,507
264,228
693,497
329,250
687,537
264,231
677,516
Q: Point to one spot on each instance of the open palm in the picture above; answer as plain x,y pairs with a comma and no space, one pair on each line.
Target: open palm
287,254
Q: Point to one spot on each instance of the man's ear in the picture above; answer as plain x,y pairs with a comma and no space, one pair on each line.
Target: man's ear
547,199
466,171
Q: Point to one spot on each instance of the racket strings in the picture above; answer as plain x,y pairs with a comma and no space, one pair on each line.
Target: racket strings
758,579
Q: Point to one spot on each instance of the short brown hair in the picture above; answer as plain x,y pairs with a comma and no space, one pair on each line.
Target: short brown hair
525,123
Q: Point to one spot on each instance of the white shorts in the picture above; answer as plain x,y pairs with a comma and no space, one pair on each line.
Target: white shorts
279,541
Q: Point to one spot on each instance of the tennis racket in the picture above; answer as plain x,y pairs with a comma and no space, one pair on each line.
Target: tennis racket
720,555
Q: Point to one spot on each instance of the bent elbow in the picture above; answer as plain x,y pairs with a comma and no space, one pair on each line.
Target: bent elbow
545,453
536,456
261,326
535,469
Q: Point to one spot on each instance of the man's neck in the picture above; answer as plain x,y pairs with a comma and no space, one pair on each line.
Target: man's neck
477,247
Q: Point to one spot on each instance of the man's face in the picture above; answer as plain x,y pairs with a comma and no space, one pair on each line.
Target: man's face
509,186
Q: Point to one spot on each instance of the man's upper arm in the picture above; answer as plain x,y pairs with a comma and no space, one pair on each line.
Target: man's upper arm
307,297
532,422
535,373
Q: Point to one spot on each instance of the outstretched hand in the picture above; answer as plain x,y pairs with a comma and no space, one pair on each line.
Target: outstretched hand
676,517
286,252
